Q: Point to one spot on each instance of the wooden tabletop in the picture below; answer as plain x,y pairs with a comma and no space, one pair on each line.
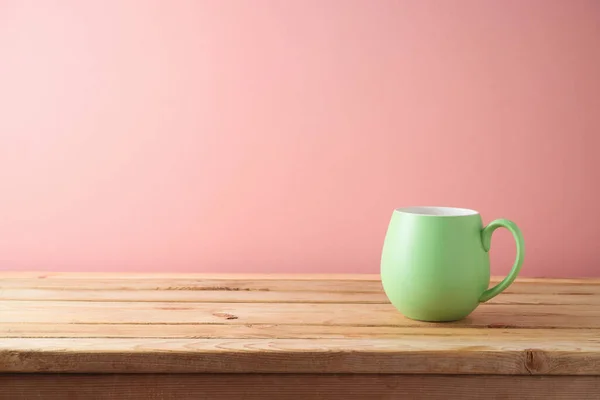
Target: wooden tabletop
193,323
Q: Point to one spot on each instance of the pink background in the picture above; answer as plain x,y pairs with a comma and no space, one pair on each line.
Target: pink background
278,136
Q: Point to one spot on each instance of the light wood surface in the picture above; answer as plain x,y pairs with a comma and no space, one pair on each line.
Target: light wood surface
179,275
217,323
261,283
415,354
243,276
487,315
271,296
279,331
296,387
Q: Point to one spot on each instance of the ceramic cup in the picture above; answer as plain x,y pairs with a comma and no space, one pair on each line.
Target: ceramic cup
435,264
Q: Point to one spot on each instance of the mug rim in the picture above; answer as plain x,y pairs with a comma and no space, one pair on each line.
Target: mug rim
437,211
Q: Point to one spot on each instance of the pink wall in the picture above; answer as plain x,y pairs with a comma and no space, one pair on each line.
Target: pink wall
259,135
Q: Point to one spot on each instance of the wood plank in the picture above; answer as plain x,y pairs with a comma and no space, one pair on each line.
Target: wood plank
197,296
112,324
242,296
183,275
575,287
544,299
353,286
525,316
246,276
407,355
270,331
195,313
295,387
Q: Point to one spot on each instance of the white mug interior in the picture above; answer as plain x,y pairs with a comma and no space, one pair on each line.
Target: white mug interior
438,211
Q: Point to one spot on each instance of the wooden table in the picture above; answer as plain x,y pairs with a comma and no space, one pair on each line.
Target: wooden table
166,336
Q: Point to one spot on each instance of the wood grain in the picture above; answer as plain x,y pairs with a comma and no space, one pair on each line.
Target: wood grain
157,323
199,284
181,275
201,296
295,387
245,276
414,354
273,331
342,285
525,316
242,296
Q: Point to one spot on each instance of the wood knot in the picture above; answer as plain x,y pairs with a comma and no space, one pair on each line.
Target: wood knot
225,315
536,361
499,326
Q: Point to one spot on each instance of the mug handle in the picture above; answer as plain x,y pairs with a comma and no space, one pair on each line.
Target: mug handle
486,238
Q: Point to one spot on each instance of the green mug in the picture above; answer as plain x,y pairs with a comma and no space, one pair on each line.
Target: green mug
435,264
